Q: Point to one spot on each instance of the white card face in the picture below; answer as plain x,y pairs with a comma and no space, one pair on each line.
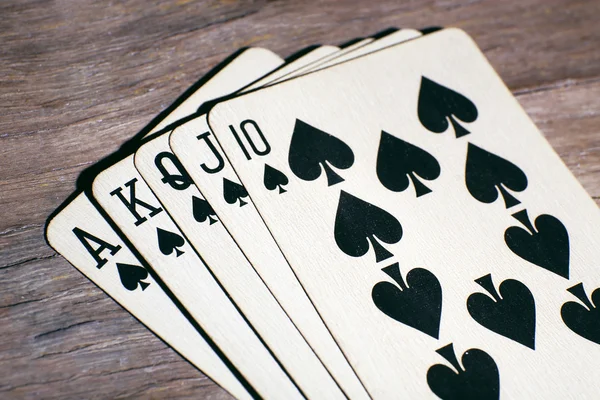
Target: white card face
309,67
214,177
247,67
195,218
130,203
345,55
198,221
420,207
89,243
308,58
193,143
393,38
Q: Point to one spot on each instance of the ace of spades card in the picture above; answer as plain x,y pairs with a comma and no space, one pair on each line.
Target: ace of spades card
226,327
428,221
81,234
111,265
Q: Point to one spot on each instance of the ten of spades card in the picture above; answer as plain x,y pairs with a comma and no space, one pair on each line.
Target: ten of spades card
428,221
223,199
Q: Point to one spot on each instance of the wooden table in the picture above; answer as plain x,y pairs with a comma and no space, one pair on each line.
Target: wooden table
77,78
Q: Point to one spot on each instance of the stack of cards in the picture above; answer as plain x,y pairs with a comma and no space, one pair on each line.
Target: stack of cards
378,221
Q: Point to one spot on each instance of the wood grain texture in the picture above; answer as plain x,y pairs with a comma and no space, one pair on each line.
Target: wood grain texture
77,78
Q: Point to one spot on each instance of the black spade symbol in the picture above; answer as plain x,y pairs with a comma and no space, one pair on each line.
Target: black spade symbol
397,161
232,192
132,275
169,241
358,223
312,149
546,246
416,303
479,380
273,179
487,173
510,313
202,211
438,104
584,319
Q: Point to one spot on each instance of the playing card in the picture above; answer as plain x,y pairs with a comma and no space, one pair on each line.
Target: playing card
128,201
390,39
195,217
220,197
300,62
239,77
381,179
94,248
311,66
326,56
250,65
198,222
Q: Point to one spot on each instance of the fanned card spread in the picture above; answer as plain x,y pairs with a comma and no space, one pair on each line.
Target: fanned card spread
371,221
